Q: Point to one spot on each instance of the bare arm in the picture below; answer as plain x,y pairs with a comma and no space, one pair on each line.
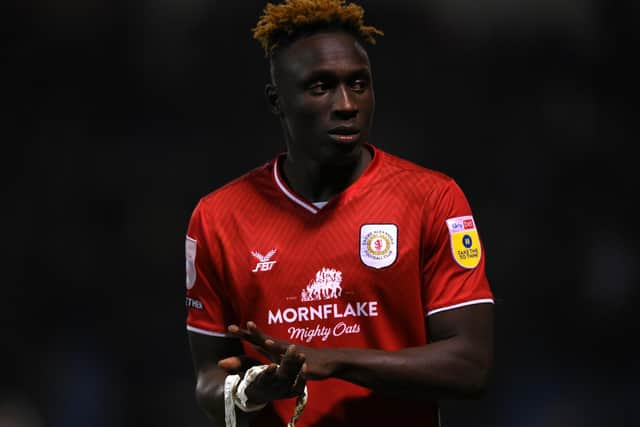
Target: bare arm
205,352
455,364
277,382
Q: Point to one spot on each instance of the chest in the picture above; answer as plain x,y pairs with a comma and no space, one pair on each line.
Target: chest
353,255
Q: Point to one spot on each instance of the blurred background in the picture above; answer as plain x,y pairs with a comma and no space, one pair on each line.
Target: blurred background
120,114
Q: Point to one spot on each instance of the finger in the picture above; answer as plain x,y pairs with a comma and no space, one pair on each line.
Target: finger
275,347
235,364
257,333
299,385
230,364
271,368
253,335
236,331
291,364
300,381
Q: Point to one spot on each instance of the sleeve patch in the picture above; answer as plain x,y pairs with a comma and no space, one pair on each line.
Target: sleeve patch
190,255
465,242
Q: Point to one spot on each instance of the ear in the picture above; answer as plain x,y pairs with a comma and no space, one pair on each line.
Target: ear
273,99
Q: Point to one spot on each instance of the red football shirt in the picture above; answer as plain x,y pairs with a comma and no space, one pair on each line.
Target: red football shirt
363,271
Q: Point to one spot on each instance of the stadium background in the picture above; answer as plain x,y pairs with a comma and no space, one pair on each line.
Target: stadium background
121,114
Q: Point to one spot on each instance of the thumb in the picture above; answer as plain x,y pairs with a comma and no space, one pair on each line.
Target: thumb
237,364
230,364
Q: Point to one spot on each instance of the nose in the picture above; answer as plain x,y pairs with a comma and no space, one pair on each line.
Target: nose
345,107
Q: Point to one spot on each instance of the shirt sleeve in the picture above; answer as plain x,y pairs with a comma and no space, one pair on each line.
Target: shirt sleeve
208,310
453,265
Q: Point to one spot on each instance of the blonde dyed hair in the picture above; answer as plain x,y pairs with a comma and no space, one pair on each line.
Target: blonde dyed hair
283,22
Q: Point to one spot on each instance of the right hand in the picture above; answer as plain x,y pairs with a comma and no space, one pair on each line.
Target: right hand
275,382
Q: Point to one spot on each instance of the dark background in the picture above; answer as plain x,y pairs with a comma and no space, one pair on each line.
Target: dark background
121,114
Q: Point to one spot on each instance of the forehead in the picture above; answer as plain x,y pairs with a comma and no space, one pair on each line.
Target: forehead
330,51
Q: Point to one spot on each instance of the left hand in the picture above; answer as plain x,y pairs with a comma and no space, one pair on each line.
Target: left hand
318,363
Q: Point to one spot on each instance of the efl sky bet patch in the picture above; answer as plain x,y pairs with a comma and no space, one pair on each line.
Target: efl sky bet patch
465,243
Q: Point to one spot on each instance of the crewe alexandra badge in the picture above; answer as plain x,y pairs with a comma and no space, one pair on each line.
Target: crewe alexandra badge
465,243
378,245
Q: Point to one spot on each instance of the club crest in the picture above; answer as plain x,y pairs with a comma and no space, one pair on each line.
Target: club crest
378,245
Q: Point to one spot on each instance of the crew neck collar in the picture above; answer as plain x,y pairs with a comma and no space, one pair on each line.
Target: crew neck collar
339,198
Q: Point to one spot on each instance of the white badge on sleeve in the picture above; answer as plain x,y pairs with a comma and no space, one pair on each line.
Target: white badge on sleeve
190,254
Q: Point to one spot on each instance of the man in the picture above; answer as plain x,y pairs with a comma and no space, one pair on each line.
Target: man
353,277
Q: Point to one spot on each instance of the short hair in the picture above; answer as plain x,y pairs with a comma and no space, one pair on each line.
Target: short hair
282,24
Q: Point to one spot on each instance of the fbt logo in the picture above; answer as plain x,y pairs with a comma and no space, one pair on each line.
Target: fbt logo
264,261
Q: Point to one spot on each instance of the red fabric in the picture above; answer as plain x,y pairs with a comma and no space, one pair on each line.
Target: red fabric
381,308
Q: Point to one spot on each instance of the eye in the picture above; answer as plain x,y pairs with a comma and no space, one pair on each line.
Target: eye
318,88
359,85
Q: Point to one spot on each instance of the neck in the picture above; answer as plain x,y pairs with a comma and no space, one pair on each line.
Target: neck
318,182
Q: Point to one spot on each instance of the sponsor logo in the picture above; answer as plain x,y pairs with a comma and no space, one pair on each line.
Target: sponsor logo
378,245
264,261
193,303
323,312
323,333
325,286
465,243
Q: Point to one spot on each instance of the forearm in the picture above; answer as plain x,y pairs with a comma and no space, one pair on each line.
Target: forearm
444,369
210,396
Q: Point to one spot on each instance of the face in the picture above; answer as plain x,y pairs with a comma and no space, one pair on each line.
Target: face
324,95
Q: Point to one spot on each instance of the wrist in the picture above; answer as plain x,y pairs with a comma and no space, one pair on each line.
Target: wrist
335,363
253,397
248,402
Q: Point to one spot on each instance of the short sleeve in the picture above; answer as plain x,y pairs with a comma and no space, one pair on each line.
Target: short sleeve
208,310
453,267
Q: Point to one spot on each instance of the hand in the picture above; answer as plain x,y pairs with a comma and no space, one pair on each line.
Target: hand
319,363
276,382
269,347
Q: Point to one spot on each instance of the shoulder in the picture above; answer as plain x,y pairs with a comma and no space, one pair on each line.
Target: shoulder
408,175
237,193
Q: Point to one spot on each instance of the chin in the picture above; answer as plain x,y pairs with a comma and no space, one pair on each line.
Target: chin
345,153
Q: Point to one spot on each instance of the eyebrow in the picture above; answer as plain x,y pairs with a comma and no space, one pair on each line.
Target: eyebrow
330,72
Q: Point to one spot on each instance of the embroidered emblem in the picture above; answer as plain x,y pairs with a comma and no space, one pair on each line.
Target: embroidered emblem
378,245
264,263
465,242
326,285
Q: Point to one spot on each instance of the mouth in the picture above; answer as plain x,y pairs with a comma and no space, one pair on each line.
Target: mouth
344,134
